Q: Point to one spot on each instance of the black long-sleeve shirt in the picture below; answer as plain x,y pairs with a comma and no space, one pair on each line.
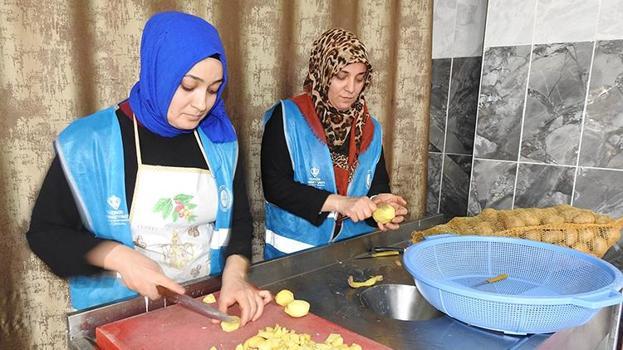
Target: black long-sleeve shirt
297,198
57,234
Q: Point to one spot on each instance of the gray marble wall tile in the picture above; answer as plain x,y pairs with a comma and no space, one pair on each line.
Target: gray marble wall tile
543,185
469,31
602,139
555,103
599,190
501,102
434,182
455,184
463,105
492,185
444,18
610,26
438,103
509,22
559,21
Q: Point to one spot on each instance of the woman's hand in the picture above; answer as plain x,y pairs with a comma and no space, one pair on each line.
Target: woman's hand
236,288
399,205
356,208
138,272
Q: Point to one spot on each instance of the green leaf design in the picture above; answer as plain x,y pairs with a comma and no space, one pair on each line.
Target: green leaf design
184,198
174,216
168,209
160,204
192,218
191,206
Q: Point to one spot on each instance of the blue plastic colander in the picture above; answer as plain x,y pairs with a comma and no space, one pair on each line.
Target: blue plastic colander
548,288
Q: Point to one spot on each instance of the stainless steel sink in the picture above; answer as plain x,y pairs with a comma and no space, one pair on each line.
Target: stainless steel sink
396,301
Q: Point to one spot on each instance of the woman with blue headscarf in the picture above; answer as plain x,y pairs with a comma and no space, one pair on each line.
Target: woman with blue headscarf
149,192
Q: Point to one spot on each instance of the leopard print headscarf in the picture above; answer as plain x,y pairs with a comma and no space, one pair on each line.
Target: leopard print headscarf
332,51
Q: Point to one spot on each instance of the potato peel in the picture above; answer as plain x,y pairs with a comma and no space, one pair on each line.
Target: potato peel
367,283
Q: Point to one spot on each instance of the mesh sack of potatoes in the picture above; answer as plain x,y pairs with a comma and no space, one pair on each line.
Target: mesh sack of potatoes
576,228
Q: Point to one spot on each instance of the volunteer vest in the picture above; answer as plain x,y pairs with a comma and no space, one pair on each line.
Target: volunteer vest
91,154
311,161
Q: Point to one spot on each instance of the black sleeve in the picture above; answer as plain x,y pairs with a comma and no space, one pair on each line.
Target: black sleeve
56,233
242,222
278,176
380,181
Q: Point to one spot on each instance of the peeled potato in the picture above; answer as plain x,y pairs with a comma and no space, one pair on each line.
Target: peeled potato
231,326
297,308
384,213
209,299
284,297
253,342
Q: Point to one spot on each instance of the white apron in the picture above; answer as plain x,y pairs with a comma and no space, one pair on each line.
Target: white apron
172,216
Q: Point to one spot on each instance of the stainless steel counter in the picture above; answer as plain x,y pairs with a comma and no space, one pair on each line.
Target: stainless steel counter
320,277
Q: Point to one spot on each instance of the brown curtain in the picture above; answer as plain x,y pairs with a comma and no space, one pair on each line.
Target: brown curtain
63,59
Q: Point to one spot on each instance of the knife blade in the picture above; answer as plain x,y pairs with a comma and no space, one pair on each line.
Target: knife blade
380,254
192,304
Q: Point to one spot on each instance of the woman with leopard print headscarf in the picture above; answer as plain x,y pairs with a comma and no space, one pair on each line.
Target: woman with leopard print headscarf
323,169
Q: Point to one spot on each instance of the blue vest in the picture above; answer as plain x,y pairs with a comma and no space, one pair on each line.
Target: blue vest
311,161
91,153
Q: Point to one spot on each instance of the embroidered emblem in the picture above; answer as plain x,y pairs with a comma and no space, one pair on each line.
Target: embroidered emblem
225,197
178,207
115,215
314,171
177,254
114,202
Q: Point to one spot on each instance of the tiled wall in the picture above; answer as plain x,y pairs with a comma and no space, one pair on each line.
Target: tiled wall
458,29
549,126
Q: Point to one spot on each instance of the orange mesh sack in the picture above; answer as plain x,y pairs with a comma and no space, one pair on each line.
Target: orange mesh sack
576,228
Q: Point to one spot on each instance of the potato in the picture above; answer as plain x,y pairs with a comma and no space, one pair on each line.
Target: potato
384,213
489,214
581,246
232,325
613,235
586,235
553,236
209,299
512,222
484,228
584,218
571,237
602,219
553,220
284,297
533,235
297,308
529,219
600,246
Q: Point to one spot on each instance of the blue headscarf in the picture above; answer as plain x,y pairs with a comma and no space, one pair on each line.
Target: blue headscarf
172,43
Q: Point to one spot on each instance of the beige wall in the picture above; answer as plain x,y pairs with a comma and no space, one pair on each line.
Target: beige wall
64,59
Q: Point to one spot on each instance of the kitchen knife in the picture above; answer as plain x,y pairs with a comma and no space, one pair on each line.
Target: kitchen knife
194,305
498,278
378,252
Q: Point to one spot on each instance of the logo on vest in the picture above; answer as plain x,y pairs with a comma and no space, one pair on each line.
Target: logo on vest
315,180
225,197
369,179
114,214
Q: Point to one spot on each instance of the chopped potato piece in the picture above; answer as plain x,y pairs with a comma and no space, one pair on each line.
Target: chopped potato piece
367,283
278,337
231,326
284,297
297,308
209,299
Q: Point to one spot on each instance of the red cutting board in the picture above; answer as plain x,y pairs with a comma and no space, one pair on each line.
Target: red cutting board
174,327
